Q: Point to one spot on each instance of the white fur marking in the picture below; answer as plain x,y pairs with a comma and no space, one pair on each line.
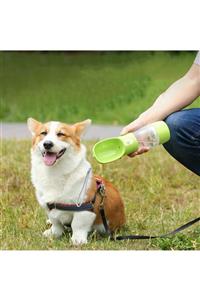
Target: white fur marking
62,182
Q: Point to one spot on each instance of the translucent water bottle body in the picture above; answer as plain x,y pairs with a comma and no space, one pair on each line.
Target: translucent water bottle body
147,136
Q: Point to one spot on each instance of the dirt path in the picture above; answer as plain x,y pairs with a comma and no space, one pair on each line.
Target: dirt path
20,131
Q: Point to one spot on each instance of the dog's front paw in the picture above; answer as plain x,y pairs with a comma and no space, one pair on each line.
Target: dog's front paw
48,222
53,232
48,233
79,239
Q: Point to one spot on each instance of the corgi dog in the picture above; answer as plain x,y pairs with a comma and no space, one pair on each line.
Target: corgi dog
62,175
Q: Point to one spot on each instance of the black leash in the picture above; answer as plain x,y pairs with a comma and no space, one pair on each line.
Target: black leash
146,237
143,237
138,236
105,223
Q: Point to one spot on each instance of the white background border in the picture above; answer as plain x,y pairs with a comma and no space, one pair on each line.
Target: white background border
99,275
99,25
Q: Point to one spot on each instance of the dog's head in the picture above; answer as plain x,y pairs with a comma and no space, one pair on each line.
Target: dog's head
53,140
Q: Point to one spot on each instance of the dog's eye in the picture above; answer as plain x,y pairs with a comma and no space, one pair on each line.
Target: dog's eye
43,133
60,134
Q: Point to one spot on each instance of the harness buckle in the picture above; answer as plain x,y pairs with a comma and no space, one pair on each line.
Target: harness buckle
102,190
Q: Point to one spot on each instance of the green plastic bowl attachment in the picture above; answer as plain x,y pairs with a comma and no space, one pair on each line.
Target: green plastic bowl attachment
111,149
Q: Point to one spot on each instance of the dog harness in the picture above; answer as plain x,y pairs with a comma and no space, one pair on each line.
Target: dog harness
83,206
87,206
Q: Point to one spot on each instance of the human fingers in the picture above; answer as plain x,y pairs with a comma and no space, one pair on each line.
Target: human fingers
139,151
129,128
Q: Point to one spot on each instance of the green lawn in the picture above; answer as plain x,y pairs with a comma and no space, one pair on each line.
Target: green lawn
107,87
158,192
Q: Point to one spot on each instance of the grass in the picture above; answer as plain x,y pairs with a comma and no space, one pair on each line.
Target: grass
158,192
108,87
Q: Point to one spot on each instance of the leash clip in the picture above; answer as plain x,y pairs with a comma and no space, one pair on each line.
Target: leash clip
102,190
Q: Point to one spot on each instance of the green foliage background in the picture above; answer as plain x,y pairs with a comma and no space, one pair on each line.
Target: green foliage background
108,87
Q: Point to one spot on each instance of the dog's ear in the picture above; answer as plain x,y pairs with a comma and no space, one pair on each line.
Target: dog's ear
33,125
81,127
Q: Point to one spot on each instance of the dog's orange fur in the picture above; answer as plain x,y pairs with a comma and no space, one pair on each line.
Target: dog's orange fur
38,128
112,202
71,133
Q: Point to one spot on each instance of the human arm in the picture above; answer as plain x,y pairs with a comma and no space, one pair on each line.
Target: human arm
180,94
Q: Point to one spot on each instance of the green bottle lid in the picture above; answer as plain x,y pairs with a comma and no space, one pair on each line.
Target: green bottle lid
162,131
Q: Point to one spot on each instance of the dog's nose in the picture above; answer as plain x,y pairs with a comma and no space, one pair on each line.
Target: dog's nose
48,145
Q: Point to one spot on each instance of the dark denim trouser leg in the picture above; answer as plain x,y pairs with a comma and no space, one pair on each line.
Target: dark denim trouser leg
184,144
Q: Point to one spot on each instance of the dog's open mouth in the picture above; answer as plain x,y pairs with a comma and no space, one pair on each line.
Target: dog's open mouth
50,158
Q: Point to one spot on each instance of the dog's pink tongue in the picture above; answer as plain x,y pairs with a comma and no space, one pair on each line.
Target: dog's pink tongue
49,158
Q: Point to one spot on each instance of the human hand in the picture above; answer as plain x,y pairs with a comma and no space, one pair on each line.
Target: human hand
141,150
133,126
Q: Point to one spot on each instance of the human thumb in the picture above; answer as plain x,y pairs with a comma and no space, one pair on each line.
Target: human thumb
124,130
129,128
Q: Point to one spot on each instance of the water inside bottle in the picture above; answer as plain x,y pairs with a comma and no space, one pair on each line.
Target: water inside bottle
147,137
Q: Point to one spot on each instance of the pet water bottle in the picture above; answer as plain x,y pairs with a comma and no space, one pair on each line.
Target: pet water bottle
151,135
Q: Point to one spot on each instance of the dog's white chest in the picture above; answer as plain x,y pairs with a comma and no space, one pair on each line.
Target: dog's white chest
58,186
